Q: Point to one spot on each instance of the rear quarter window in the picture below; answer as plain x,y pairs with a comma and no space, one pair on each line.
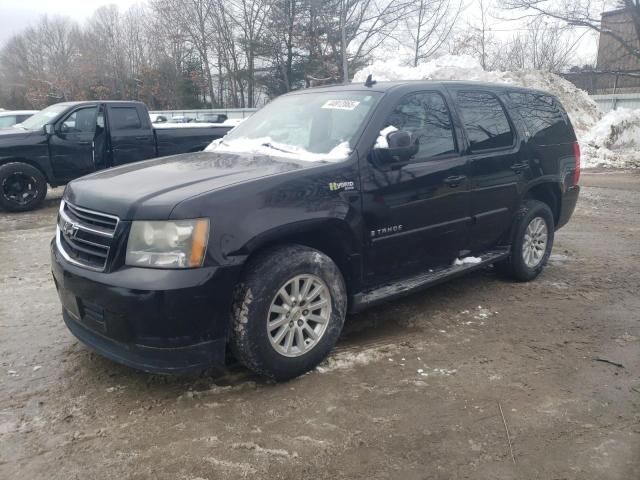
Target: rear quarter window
484,120
545,120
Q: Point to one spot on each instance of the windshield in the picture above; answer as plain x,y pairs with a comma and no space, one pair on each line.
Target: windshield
318,126
40,119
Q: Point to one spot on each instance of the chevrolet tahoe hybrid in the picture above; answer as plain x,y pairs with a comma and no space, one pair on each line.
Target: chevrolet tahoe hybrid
326,201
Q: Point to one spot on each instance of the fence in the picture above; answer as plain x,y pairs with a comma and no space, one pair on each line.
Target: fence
229,112
617,100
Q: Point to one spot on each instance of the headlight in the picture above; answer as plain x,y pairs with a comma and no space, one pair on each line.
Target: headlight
175,244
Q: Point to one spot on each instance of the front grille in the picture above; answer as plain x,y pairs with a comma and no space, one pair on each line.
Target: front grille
85,237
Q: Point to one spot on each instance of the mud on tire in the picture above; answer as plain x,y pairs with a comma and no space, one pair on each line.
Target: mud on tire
260,293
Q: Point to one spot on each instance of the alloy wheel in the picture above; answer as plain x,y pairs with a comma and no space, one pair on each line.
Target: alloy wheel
535,242
299,315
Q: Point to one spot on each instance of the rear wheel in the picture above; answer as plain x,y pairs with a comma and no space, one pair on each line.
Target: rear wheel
288,312
22,187
532,242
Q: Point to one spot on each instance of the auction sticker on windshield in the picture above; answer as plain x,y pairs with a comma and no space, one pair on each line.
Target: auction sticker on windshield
341,104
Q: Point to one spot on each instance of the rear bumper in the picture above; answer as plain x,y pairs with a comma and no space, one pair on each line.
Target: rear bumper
161,321
569,200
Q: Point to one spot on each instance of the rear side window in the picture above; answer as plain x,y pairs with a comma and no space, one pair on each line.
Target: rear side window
427,117
485,121
124,118
543,116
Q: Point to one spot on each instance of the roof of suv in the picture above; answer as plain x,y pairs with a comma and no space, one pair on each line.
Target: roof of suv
384,86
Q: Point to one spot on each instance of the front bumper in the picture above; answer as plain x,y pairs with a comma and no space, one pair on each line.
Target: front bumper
161,321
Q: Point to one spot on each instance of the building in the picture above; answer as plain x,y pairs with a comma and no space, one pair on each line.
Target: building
617,69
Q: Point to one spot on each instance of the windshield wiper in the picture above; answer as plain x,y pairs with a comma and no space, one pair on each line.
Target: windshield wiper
272,146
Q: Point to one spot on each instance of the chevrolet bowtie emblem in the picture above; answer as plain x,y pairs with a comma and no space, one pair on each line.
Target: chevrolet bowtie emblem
70,229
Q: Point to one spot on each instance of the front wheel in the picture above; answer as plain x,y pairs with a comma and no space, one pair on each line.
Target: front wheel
288,311
532,242
22,187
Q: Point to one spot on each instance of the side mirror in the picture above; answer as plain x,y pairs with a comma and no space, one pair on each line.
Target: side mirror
48,129
401,148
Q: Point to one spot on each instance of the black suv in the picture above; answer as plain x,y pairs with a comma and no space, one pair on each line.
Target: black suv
324,202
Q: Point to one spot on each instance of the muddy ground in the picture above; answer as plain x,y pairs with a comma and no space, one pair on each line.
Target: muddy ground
413,391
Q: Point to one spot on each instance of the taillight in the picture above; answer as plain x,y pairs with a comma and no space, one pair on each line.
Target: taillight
576,154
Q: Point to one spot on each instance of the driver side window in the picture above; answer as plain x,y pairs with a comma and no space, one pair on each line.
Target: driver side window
80,121
427,117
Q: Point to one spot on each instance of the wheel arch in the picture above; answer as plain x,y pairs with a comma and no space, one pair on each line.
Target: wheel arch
547,192
45,174
333,237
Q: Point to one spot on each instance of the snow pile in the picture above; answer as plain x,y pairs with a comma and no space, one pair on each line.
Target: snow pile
584,112
612,140
267,146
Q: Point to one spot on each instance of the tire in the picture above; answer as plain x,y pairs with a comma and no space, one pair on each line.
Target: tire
259,303
22,187
525,267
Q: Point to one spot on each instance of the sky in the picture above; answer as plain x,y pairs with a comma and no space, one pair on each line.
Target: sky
15,15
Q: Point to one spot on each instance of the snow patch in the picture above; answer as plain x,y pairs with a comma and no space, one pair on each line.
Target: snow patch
267,146
344,360
275,452
233,122
467,260
381,141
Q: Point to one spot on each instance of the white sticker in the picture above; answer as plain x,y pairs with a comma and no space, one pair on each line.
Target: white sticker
340,104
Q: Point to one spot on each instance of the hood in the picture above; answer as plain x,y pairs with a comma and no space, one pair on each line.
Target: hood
11,134
151,189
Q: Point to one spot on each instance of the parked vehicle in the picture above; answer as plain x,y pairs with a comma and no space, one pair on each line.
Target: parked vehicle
158,118
10,118
211,118
181,119
326,201
69,140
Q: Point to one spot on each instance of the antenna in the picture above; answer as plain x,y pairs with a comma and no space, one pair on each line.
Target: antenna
370,82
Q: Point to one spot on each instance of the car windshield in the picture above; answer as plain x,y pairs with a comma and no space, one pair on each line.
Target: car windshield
40,119
318,126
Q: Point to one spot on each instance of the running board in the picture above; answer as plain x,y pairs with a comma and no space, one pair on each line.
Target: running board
402,287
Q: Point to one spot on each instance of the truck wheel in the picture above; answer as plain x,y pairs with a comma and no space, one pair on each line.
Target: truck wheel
532,242
288,312
22,187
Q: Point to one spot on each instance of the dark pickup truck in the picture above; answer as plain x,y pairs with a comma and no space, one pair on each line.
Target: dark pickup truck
68,140
326,201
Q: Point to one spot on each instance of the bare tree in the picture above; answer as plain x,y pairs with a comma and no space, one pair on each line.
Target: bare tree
195,19
250,17
430,25
363,26
583,13
544,45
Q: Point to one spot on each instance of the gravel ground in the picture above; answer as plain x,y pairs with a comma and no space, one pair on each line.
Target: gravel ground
413,391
